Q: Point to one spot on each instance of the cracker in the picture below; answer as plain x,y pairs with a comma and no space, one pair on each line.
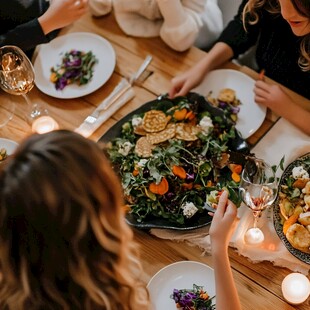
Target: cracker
161,136
154,121
144,147
187,132
227,95
139,130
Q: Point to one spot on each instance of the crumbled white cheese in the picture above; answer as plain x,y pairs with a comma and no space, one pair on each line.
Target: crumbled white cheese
125,148
189,209
206,125
136,121
300,173
142,163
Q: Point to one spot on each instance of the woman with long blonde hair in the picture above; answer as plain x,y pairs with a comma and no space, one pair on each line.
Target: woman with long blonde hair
64,243
280,29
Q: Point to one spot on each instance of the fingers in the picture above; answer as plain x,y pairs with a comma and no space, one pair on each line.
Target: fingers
221,206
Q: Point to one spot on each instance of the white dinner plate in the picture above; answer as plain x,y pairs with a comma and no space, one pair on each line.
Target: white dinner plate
251,114
9,145
180,275
50,55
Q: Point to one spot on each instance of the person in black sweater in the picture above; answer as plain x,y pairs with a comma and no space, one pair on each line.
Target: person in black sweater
27,23
281,31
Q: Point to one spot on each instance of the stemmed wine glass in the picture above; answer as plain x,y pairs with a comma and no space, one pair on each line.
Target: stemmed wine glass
17,75
258,190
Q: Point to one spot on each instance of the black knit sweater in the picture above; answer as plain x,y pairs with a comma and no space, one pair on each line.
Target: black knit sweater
19,24
278,49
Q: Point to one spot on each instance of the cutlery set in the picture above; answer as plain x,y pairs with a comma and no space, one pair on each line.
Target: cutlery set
121,94
119,90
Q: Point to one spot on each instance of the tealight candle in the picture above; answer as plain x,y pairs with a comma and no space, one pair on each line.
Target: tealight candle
44,124
296,288
254,236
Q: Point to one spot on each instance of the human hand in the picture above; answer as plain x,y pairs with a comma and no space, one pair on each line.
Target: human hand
62,13
223,223
271,96
183,83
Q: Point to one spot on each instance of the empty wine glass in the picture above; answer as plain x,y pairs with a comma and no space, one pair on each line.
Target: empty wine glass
17,75
258,189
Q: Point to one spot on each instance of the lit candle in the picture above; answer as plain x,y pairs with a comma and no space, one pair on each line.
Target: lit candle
44,124
254,236
296,288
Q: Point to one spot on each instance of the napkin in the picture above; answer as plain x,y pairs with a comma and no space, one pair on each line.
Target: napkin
86,129
282,139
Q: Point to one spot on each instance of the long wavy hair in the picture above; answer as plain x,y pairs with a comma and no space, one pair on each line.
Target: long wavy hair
251,16
64,243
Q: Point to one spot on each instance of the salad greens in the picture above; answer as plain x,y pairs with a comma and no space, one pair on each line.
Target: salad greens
176,180
194,299
76,67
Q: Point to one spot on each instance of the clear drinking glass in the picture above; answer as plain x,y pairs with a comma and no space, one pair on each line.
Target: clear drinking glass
258,189
17,75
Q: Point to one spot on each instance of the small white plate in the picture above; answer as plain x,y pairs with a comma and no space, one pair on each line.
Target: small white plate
180,275
50,55
251,114
9,145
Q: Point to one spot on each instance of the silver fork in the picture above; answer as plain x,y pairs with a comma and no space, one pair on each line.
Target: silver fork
118,91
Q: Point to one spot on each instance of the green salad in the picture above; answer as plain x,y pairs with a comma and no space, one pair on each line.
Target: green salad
172,158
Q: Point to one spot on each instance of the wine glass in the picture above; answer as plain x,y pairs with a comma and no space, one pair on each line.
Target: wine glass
17,75
258,190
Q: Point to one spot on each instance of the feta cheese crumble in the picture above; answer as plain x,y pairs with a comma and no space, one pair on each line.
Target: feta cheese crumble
300,173
189,209
125,148
206,125
136,121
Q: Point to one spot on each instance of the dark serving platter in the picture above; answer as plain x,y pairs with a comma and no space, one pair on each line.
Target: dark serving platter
305,257
237,146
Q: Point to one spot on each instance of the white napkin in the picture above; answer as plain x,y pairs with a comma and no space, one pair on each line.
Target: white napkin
86,129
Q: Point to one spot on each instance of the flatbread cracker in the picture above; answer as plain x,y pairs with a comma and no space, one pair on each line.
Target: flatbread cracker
186,132
161,136
154,121
227,95
144,147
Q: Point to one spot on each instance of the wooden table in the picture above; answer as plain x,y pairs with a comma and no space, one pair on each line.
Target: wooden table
259,285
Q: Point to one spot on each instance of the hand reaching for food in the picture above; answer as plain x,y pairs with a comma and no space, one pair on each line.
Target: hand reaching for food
62,13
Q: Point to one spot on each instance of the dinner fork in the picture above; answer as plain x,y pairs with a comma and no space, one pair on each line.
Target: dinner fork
118,91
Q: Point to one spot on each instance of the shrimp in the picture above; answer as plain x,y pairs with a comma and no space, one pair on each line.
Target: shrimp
298,236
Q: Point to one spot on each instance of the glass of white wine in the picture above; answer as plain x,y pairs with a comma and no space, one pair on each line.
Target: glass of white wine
17,76
258,190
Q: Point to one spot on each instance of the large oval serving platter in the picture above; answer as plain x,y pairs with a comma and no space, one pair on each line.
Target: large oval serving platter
201,220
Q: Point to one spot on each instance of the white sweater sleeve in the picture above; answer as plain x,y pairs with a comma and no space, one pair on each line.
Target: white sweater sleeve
100,7
181,24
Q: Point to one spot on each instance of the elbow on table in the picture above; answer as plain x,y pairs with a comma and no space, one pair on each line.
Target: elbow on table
178,41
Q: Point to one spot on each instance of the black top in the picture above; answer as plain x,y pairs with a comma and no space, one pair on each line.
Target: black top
19,24
278,49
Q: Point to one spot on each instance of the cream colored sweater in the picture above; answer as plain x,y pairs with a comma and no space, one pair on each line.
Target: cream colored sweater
180,23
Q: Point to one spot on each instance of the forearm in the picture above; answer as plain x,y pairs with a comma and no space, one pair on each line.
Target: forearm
26,36
296,115
216,57
226,293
